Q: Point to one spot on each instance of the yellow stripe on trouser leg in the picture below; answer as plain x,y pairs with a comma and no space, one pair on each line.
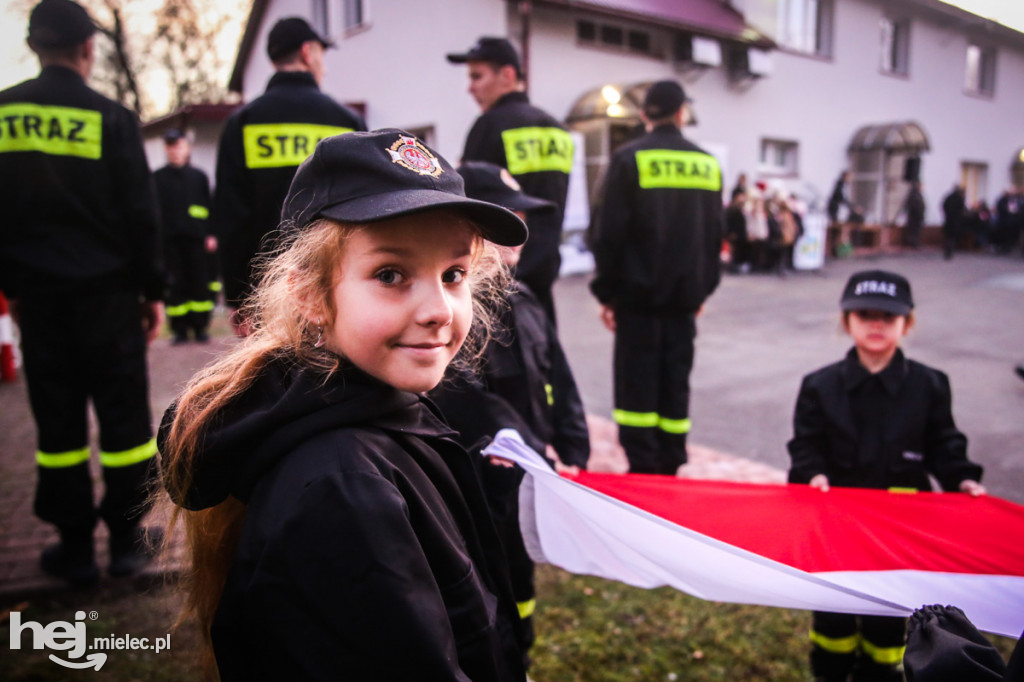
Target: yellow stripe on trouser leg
62,460
674,426
836,645
126,458
200,306
883,655
177,310
638,419
526,608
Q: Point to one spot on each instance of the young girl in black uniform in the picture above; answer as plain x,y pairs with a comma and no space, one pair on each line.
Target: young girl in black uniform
874,420
336,530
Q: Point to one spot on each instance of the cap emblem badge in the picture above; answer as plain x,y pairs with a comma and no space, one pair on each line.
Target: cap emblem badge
509,181
410,153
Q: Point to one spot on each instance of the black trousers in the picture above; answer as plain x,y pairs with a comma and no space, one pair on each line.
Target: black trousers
869,647
189,299
78,347
653,358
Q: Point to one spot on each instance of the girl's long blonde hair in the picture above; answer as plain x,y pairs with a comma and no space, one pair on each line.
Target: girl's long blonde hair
293,296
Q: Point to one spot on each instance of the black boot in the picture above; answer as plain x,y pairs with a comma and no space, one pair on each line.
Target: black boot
132,550
72,559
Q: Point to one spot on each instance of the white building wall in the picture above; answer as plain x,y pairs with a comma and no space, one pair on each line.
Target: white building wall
397,66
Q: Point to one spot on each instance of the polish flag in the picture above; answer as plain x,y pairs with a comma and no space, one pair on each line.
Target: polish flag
847,550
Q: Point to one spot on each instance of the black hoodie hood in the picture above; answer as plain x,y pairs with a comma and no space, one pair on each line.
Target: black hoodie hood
285,406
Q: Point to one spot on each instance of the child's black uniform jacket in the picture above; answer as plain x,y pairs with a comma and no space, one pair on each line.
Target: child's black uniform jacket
367,552
886,430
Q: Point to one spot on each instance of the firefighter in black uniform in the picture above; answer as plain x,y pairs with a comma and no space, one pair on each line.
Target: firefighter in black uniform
262,145
524,383
875,419
656,244
530,143
79,255
184,194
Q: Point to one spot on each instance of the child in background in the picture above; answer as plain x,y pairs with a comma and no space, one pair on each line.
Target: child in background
335,529
874,420
524,383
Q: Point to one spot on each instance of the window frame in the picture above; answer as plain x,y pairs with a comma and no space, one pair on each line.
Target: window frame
806,27
772,146
629,37
980,81
894,47
363,22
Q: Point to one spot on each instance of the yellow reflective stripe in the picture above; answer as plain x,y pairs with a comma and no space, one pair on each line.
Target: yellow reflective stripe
676,426
550,393
126,458
532,150
903,491
60,131
841,645
198,212
526,608
884,655
177,310
188,307
638,419
216,286
276,145
678,169
201,306
62,460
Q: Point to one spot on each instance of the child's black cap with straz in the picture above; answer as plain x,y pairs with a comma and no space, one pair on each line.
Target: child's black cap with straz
878,290
366,177
664,99
489,49
289,34
490,182
59,23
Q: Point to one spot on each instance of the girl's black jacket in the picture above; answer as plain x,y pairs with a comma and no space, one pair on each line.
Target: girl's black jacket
367,551
891,437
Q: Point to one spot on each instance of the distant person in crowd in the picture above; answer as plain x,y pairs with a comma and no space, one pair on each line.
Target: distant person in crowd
954,210
978,223
80,263
785,227
914,207
736,232
261,146
524,382
656,246
874,420
943,645
838,198
1009,220
530,143
758,231
184,194
741,184
337,532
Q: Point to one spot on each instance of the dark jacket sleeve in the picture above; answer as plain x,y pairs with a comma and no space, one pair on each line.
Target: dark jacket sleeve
352,591
714,227
945,445
232,208
807,448
140,213
483,143
610,230
571,439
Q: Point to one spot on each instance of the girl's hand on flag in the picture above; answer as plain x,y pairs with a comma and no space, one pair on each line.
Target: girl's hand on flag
972,488
820,481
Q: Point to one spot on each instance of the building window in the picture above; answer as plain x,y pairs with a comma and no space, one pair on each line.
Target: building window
806,26
353,14
778,157
981,70
318,17
614,36
895,53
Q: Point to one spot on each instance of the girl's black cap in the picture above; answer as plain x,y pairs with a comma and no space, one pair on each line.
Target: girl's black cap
366,177
878,290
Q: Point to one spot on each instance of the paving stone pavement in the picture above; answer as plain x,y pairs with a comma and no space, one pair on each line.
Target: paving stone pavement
758,336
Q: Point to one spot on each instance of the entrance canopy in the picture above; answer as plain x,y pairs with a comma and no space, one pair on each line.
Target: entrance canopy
609,101
907,137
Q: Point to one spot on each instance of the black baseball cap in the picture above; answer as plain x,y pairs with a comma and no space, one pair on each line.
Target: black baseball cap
492,183
878,290
289,34
664,99
365,177
172,135
59,23
490,49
